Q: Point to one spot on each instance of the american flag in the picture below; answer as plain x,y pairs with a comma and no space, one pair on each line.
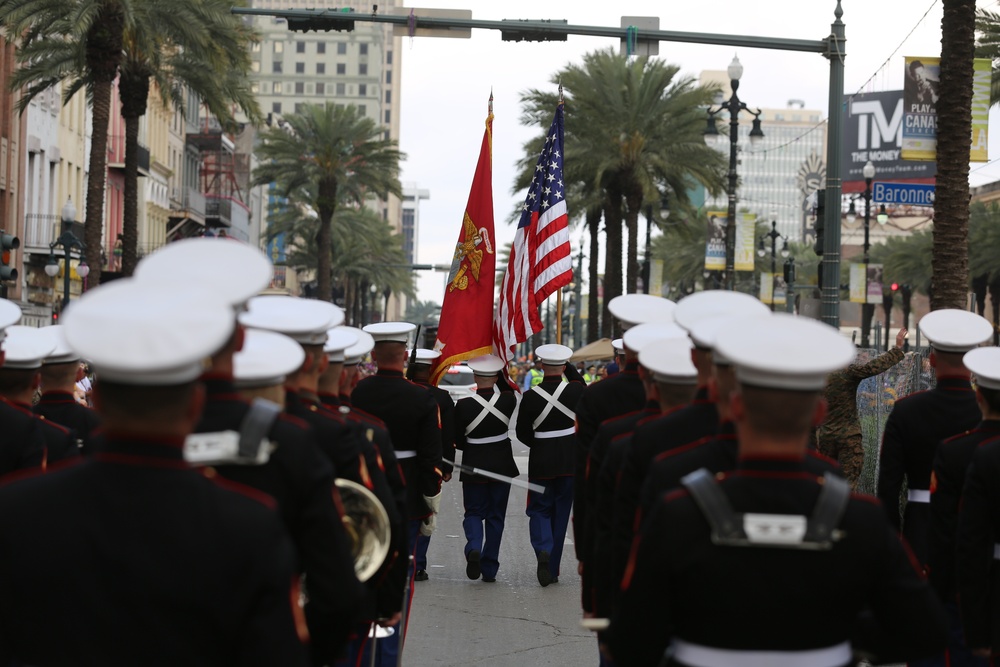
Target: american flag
540,260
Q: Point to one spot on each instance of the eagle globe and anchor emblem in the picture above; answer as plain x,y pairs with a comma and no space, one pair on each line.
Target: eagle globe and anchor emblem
468,255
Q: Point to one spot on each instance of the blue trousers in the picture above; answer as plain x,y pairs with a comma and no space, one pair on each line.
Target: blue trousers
548,517
420,554
957,654
485,503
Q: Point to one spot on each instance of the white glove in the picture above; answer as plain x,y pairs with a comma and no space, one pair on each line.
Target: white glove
434,502
428,525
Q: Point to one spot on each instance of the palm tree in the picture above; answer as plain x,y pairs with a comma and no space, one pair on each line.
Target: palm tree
328,153
988,46
51,32
950,259
196,45
422,312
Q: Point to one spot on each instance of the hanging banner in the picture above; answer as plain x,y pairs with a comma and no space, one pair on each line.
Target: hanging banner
746,242
857,283
766,287
715,244
873,130
780,296
921,92
982,76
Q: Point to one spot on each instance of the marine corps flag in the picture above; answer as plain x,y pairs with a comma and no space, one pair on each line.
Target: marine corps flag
466,327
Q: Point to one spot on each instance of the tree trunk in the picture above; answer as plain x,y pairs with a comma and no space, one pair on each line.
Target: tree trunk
104,48
326,202
593,303
633,205
950,263
134,91
612,259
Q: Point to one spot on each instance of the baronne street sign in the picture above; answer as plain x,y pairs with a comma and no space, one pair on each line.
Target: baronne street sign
911,194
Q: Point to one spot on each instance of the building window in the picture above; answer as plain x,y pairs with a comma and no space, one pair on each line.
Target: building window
388,116
254,87
362,110
341,89
362,90
320,47
300,68
363,69
277,87
388,97
276,107
279,47
321,68
255,47
320,88
298,107
364,49
300,88
341,48
276,67
341,68
388,57
388,76
255,66
300,47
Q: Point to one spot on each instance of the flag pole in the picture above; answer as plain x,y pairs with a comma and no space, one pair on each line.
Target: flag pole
559,317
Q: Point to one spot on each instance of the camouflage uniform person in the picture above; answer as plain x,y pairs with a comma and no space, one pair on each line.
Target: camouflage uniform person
839,436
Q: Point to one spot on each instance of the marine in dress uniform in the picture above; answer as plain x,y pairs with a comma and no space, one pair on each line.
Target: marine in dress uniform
482,422
920,421
420,374
698,421
951,462
546,425
252,365
21,443
666,364
749,568
20,378
61,370
977,551
720,454
839,436
411,416
171,565
383,606
619,394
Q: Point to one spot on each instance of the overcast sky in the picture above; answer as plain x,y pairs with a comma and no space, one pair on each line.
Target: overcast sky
446,84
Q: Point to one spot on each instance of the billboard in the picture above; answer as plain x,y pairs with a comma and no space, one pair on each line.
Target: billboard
873,130
715,246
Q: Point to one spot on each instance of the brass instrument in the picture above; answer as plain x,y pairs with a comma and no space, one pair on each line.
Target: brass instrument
367,526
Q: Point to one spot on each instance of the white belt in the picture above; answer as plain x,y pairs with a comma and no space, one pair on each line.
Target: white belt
555,434
918,495
406,454
696,655
996,551
487,440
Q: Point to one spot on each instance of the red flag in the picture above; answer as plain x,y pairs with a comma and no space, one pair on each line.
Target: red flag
465,330
540,261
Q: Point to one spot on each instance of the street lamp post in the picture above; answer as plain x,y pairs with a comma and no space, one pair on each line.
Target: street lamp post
867,309
646,263
578,299
733,105
69,242
774,235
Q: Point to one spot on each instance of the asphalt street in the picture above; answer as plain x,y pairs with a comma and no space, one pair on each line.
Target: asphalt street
513,622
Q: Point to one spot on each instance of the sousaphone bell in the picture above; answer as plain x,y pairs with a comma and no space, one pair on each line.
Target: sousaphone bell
367,526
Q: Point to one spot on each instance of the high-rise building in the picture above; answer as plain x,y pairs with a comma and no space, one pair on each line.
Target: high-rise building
360,67
411,219
778,176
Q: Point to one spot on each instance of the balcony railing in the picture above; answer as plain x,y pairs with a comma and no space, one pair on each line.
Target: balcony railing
116,154
189,200
40,230
219,209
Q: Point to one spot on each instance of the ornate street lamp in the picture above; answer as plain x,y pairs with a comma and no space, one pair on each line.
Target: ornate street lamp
69,242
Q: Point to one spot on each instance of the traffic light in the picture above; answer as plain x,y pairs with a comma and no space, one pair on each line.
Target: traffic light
820,221
789,271
8,243
322,21
894,287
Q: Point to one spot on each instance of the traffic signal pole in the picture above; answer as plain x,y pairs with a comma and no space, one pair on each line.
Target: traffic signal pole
832,47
